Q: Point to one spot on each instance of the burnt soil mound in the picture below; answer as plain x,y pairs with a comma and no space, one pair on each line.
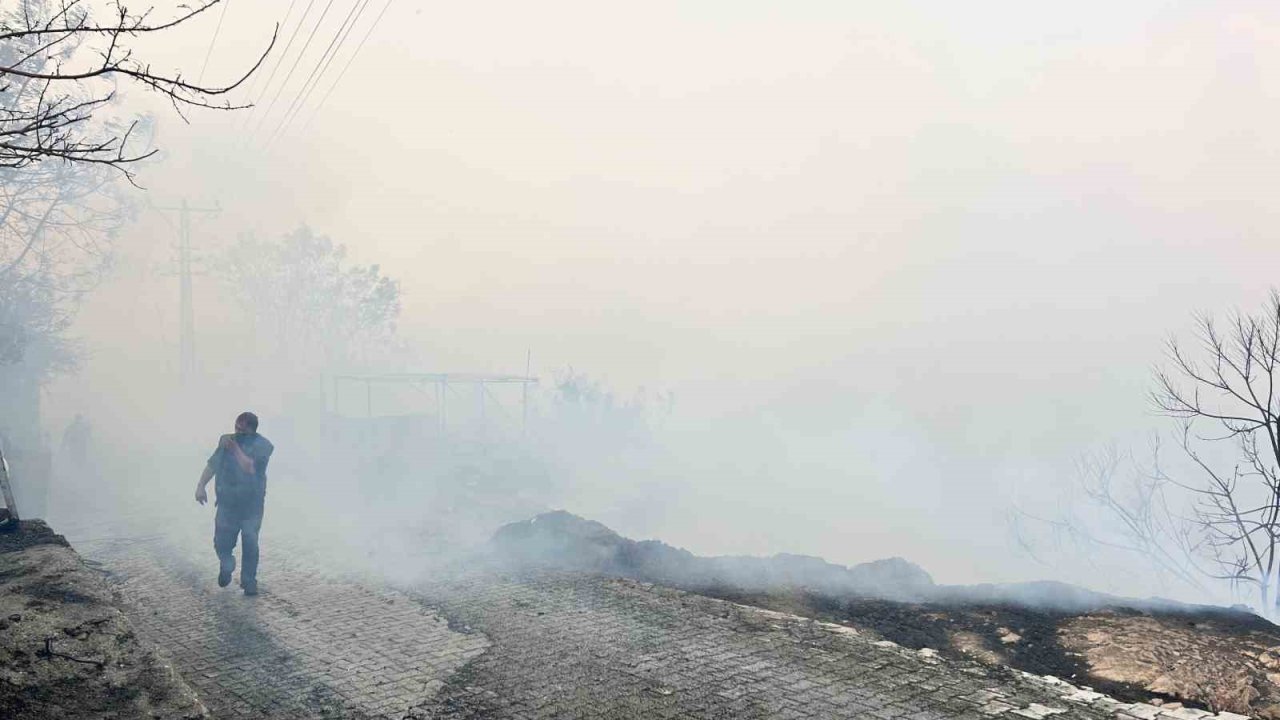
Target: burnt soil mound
1136,650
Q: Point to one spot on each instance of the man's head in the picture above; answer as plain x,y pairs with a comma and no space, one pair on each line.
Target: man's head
246,423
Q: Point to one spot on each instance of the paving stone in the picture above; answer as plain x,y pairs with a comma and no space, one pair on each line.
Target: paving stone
253,657
1038,711
1141,711
1184,713
487,643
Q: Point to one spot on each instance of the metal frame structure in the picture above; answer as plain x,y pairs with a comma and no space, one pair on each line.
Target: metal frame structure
441,382
7,489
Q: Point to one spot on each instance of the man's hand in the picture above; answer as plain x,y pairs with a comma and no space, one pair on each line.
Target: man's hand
201,496
229,444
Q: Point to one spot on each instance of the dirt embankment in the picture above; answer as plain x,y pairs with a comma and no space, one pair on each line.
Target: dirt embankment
1206,657
1216,660
66,651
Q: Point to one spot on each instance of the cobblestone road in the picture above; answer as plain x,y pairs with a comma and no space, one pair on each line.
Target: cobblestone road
495,644
308,647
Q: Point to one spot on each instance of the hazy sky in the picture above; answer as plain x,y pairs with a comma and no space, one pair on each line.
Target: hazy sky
900,262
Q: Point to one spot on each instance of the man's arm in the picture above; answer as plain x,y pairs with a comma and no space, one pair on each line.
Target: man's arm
244,461
202,497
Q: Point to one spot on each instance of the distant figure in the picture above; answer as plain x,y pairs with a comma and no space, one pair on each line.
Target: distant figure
240,464
75,441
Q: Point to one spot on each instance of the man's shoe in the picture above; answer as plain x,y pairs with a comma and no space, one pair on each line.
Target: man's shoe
224,574
251,588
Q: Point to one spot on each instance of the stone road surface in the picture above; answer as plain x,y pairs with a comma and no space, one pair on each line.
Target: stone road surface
489,643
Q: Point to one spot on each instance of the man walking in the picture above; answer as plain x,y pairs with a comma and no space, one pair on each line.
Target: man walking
240,464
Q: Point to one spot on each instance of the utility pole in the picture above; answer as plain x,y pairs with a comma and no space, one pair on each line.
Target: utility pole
187,319
186,309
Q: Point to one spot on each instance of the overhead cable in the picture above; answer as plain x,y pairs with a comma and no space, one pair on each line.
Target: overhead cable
350,60
301,53
279,59
318,71
226,4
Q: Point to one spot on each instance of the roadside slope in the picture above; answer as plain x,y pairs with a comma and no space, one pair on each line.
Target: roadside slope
66,650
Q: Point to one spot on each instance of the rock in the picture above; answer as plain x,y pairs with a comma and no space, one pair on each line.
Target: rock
1269,661
1007,636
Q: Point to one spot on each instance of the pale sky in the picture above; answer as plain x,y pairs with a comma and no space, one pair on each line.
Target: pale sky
902,262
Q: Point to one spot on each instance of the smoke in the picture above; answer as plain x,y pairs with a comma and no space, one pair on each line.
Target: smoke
883,274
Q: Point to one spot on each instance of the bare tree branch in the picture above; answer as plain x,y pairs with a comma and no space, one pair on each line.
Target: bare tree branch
62,69
1238,511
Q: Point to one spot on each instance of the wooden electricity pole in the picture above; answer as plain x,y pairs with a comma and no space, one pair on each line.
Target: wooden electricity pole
186,308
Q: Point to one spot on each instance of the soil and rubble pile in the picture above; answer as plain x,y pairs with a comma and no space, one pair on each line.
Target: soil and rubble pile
1136,650
66,651
565,540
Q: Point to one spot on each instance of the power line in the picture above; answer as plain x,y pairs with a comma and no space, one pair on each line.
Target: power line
294,67
348,65
226,4
318,71
333,57
302,19
253,82
279,60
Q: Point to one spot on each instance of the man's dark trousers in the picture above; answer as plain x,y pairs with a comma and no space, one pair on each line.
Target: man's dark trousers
242,518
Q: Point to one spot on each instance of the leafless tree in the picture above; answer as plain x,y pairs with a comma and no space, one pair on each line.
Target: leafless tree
60,66
1216,515
1225,388
1122,507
